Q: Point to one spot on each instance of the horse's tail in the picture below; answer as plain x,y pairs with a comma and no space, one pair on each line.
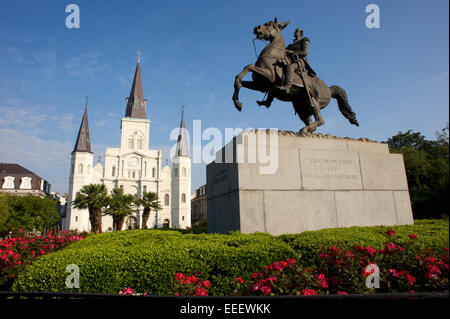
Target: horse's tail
339,94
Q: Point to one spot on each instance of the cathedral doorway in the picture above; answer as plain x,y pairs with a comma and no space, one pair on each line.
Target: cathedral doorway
131,222
166,223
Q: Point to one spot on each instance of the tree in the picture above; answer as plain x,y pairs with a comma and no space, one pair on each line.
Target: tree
427,171
94,197
120,206
149,201
28,212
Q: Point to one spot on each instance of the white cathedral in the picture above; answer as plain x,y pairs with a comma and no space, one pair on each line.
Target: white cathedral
135,168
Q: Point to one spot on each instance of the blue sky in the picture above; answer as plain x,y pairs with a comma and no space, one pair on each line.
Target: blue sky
396,77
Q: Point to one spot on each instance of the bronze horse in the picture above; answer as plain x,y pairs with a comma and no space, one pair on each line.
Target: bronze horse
267,75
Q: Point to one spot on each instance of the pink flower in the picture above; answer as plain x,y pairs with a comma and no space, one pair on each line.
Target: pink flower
390,232
206,283
341,293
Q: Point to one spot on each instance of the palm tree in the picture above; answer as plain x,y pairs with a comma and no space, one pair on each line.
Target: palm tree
94,197
120,206
149,201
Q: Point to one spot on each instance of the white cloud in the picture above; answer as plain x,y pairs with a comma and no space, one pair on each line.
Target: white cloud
87,65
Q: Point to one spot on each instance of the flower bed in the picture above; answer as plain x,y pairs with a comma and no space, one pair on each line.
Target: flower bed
359,270
146,261
23,248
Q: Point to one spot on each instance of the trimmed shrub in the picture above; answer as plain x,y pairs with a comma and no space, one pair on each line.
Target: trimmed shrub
147,260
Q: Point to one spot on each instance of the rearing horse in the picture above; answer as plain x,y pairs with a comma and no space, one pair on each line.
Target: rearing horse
267,75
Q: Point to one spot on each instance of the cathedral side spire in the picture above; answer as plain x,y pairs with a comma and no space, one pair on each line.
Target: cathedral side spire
135,102
83,143
182,143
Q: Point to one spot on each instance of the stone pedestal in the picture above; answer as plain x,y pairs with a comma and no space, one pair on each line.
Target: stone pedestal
280,182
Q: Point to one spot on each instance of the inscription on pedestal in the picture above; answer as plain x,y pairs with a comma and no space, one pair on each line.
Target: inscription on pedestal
328,170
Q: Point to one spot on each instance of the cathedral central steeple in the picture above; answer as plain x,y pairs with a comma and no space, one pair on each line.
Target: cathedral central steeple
136,103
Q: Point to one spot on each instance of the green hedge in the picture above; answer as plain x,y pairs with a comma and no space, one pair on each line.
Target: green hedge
147,260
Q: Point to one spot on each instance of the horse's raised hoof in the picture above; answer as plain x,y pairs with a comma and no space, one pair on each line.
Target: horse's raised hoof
238,105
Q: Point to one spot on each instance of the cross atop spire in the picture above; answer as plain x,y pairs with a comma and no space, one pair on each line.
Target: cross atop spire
139,55
135,102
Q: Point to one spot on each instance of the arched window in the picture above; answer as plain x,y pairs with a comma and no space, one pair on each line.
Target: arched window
166,200
184,171
26,183
89,169
139,143
183,198
113,173
144,189
133,175
9,182
153,172
176,172
80,168
130,143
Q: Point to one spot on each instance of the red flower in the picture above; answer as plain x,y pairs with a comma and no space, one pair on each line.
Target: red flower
341,293
390,232
240,280
412,236
178,276
266,290
394,273
371,250
307,292
206,283
201,292
410,279
291,260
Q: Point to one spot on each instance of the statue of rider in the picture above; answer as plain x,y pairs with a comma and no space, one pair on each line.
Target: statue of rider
296,61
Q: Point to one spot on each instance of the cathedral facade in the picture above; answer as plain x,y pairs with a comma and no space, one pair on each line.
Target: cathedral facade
135,168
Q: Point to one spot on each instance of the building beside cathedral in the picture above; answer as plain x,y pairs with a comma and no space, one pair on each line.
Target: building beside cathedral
135,168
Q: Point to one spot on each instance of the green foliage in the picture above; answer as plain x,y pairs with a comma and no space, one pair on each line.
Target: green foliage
427,171
26,212
147,260
93,197
149,201
120,206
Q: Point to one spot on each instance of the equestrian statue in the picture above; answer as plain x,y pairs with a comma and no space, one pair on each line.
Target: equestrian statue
285,74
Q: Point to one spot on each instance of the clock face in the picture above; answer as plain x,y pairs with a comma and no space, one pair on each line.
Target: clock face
133,161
